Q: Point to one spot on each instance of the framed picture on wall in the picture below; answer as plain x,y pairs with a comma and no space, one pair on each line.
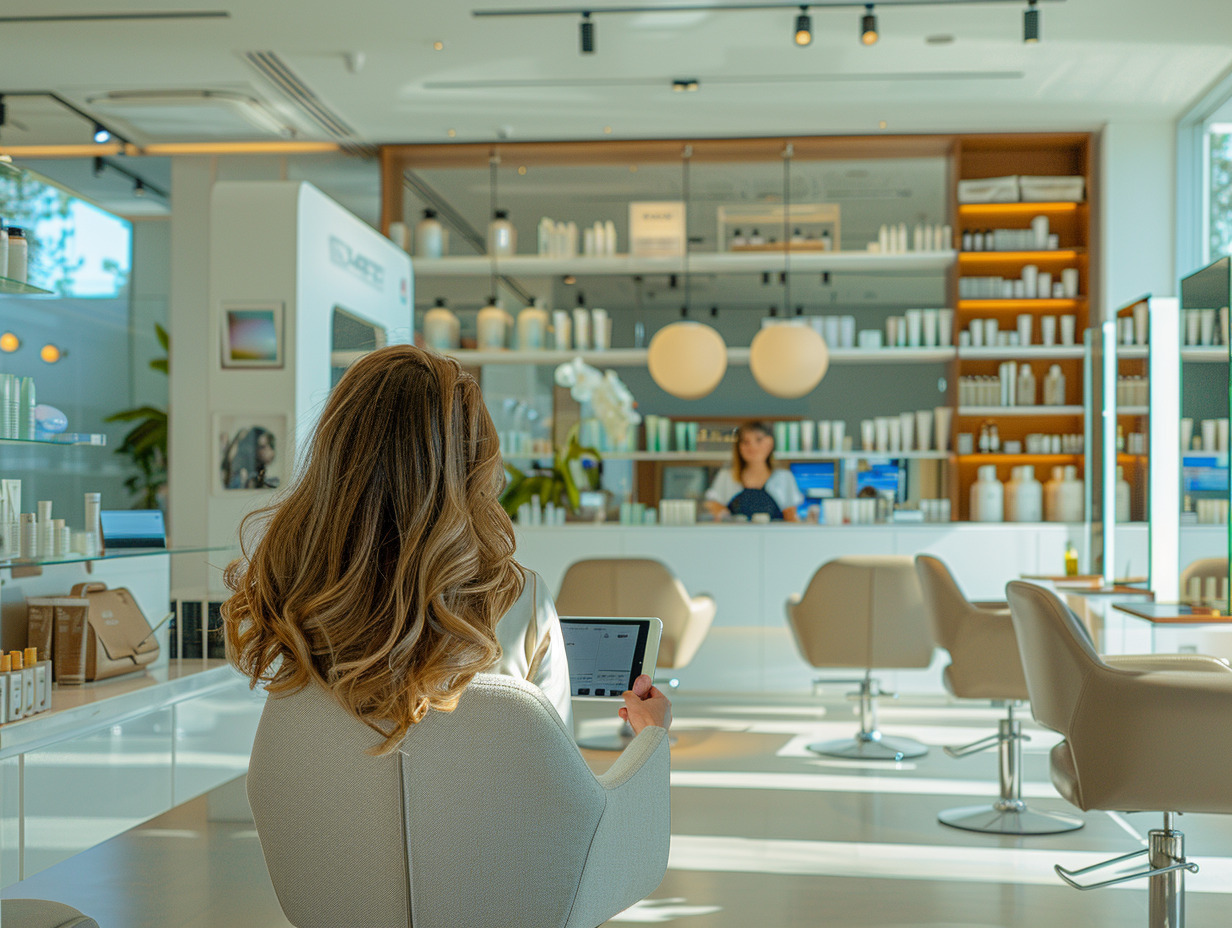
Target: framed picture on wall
251,452
252,335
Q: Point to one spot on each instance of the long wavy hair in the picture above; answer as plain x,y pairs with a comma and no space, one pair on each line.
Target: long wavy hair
383,570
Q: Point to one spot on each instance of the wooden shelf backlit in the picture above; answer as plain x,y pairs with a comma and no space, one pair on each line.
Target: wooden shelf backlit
1021,306
1016,209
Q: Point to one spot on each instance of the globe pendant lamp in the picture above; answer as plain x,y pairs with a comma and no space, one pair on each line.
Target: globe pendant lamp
788,360
687,359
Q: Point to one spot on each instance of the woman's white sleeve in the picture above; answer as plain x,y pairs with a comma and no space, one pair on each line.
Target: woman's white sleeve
782,486
552,674
722,489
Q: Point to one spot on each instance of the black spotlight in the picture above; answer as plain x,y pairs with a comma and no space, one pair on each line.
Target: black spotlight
1031,24
101,135
138,187
804,27
868,26
99,165
587,32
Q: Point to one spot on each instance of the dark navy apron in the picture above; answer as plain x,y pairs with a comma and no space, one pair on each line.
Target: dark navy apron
751,501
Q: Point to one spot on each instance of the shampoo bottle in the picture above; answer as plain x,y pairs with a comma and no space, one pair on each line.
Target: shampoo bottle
1122,497
441,328
12,687
987,496
430,236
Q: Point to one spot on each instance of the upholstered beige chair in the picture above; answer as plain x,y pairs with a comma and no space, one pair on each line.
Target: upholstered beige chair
984,664
1141,734
486,816
635,588
1202,570
864,612
39,913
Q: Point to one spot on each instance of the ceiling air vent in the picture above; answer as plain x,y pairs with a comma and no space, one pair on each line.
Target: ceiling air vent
191,114
312,107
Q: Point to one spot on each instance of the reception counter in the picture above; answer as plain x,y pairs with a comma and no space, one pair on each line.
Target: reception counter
751,570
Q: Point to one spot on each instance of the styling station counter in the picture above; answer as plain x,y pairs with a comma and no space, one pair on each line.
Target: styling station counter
750,570
111,755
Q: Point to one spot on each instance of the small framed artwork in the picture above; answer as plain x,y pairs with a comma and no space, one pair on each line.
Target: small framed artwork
252,453
252,335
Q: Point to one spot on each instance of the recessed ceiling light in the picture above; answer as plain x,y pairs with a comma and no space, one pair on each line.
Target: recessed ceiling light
688,85
633,169
607,130
9,342
451,132
940,39
882,124
522,169
438,45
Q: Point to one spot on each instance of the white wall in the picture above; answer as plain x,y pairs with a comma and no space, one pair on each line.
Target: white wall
1137,212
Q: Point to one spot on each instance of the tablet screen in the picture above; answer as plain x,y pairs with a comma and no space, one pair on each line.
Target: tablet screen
606,655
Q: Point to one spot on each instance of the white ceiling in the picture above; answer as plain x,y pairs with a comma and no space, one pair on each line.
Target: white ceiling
1100,60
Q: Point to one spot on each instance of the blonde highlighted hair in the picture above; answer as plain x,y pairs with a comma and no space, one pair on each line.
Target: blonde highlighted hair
383,570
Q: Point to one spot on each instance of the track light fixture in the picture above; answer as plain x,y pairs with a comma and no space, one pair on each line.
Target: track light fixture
804,28
587,34
689,85
1031,24
868,26
99,165
138,187
101,134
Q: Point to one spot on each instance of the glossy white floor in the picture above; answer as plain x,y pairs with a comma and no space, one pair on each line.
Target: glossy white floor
763,833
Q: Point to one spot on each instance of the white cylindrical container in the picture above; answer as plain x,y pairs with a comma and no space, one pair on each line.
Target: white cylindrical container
94,505
906,429
941,428
1192,321
847,332
945,326
533,328
991,327
562,330
1069,282
1207,326
987,496
1024,329
602,329
1068,325
1030,279
1140,323
1048,330
29,535
502,236
1043,288
1070,504
18,254
930,328
441,328
868,435
807,434
429,236
924,430
581,329
492,327
1024,497
915,323
1039,231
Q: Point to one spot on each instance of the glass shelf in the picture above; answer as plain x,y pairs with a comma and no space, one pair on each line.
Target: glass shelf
93,439
20,288
114,555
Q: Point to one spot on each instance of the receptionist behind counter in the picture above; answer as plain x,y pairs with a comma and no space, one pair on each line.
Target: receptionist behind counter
753,485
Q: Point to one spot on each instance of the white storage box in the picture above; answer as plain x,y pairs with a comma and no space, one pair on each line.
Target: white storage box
1052,189
989,190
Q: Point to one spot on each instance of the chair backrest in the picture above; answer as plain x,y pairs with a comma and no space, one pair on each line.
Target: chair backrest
628,587
863,612
1057,654
944,600
1207,567
484,816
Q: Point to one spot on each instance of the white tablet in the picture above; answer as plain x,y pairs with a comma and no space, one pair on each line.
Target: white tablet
607,654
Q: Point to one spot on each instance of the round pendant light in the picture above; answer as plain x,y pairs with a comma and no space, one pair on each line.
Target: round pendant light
788,360
687,359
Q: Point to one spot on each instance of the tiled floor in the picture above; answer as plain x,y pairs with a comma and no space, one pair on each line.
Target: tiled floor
764,833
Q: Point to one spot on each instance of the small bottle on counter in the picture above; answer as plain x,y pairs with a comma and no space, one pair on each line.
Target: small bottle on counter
1071,560
11,678
19,253
502,236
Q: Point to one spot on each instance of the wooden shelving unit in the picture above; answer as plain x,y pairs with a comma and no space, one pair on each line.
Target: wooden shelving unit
977,157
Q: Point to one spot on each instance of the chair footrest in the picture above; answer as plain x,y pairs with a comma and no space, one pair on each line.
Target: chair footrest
1069,875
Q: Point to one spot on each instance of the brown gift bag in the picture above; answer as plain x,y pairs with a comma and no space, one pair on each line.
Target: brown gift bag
118,639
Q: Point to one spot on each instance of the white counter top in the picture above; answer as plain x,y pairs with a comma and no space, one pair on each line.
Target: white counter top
79,709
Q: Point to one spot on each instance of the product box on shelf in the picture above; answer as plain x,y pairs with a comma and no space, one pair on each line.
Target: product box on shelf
657,229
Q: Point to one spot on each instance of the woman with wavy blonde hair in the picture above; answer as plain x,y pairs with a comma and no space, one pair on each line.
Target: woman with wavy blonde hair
386,572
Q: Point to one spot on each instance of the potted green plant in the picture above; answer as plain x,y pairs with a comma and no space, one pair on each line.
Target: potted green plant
145,445
559,484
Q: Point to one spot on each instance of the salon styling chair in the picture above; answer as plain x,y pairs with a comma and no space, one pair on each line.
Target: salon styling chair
636,588
985,664
39,913
864,612
486,816
1142,733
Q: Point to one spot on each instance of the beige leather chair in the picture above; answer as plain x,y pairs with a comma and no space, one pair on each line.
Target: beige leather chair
1207,568
39,913
486,817
635,588
864,612
1141,734
984,664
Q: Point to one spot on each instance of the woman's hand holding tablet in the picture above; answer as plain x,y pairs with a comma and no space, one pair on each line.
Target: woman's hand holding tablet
645,705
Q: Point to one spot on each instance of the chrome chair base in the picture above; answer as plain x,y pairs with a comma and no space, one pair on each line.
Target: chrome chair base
870,745
1009,818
